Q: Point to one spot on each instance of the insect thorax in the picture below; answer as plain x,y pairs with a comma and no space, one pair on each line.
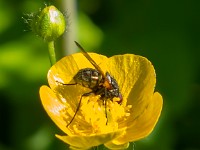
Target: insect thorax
114,88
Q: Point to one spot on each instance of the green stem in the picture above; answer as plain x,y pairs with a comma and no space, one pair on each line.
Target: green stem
52,54
71,36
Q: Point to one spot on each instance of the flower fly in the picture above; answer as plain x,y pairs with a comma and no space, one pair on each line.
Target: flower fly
99,83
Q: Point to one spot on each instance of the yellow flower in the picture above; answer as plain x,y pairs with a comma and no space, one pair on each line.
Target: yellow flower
103,122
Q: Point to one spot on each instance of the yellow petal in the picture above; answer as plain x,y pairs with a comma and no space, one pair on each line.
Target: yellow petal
143,124
135,76
64,71
66,68
53,107
87,142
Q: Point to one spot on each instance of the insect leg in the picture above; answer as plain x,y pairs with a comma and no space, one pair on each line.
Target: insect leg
105,101
66,83
79,104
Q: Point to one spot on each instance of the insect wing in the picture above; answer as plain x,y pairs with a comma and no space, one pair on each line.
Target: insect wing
90,59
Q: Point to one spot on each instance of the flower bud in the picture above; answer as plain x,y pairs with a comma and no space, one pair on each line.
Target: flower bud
48,23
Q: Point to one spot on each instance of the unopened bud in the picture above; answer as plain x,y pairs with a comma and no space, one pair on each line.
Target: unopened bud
48,23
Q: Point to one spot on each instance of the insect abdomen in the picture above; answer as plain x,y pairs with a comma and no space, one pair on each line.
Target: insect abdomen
88,77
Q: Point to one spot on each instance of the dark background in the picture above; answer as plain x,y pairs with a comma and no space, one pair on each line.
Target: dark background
166,32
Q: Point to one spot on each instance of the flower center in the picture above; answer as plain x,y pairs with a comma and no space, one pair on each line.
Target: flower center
97,116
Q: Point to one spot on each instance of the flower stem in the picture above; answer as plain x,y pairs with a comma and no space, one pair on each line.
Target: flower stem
68,40
52,54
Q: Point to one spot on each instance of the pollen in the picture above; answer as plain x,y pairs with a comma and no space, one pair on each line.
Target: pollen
98,116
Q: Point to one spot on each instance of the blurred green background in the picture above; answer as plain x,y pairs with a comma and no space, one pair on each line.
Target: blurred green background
166,32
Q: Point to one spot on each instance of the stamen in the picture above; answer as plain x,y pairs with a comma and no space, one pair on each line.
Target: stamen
91,117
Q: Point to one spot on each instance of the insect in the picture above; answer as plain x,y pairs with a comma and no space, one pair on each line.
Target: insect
95,79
